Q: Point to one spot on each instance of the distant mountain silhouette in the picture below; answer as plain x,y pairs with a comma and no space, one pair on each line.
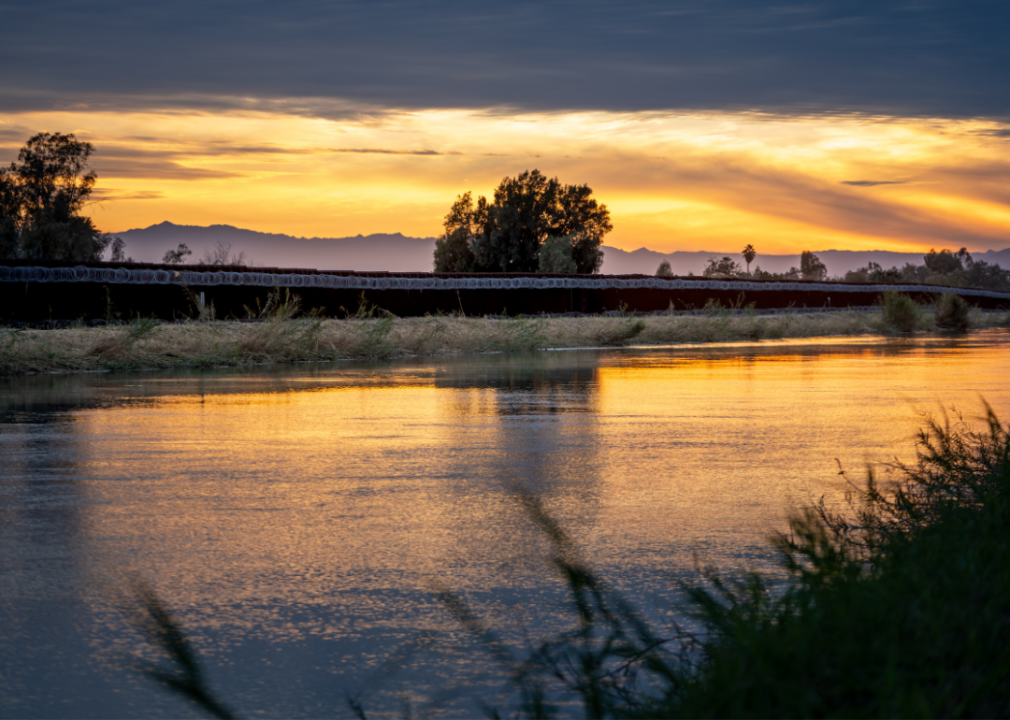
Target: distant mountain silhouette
394,252
838,262
400,253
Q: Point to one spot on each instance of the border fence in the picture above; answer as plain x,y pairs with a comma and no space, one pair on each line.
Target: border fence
37,291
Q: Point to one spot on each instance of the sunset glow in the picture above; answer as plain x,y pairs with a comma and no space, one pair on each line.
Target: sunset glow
673,181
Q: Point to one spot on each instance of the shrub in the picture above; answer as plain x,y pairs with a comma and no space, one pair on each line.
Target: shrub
901,313
951,313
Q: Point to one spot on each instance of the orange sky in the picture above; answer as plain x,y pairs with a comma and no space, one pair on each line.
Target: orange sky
672,181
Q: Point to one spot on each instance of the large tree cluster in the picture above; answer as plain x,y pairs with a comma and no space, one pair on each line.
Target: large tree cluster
41,198
535,224
939,268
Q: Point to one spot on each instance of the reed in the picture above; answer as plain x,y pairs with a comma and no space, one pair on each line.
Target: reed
896,607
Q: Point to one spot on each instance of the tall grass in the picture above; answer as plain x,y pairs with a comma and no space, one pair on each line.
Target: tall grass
897,607
280,331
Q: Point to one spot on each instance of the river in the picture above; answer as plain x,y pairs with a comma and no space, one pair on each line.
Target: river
297,519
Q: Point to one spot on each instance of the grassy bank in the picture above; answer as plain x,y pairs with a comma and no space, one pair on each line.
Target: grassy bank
282,336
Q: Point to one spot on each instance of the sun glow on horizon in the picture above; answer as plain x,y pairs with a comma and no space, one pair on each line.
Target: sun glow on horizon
672,181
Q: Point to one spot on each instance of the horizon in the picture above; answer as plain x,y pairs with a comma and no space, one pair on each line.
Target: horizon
432,237
840,125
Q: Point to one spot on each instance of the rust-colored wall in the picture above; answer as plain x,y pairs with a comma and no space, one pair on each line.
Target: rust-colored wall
32,302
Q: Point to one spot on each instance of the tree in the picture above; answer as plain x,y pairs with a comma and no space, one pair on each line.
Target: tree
726,267
119,251
464,222
749,253
664,270
811,267
507,235
556,256
221,254
41,196
944,262
177,256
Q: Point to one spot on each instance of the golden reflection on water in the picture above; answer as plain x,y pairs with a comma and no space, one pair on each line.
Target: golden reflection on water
320,502
647,457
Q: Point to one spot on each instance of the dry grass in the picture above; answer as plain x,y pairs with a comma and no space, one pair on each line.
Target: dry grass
280,337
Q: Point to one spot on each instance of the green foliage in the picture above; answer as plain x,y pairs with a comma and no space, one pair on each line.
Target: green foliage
664,270
940,268
749,253
811,267
951,313
507,235
453,253
177,256
41,196
900,312
556,256
724,267
898,607
946,262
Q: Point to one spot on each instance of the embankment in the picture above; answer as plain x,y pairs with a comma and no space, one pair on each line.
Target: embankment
283,337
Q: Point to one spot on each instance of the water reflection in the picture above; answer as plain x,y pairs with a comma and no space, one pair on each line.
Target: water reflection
296,516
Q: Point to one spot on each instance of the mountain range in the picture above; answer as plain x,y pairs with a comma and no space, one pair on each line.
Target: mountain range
400,253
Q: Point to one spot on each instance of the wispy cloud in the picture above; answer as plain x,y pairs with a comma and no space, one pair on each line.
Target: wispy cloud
112,194
384,151
873,183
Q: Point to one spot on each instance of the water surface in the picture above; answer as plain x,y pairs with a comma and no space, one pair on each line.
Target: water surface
296,518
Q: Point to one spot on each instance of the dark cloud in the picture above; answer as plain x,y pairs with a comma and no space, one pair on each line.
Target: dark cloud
155,169
945,58
101,195
380,151
383,151
873,183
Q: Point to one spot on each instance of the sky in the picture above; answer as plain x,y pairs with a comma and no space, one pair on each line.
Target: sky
702,125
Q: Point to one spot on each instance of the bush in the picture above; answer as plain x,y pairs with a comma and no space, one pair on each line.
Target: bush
951,313
901,313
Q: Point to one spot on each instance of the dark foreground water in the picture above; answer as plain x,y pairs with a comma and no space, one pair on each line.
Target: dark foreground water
296,519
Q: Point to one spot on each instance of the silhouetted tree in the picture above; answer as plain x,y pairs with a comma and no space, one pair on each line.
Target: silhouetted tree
944,262
221,254
177,256
664,270
811,267
41,196
556,256
726,267
749,253
119,251
508,234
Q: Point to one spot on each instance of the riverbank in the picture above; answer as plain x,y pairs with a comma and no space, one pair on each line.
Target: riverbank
149,344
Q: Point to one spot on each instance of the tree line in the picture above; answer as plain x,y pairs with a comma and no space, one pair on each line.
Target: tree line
956,269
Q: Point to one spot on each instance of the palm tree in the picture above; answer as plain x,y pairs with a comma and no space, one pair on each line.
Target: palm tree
749,254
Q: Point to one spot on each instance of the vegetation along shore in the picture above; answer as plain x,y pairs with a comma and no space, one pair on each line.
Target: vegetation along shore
281,333
896,606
